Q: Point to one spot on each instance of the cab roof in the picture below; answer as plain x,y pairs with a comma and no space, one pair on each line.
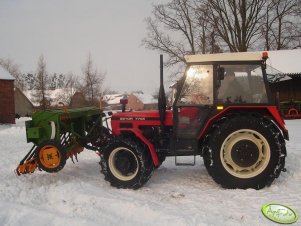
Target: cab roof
224,57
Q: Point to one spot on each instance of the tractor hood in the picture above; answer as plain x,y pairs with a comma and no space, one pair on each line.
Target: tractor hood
142,116
135,119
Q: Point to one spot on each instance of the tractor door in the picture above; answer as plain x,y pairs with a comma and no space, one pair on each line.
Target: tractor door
193,104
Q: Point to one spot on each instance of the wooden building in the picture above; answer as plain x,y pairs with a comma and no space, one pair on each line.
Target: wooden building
136,102
288,89
78,100
284,70
7,103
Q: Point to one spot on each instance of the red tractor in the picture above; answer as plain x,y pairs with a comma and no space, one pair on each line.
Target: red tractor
222,111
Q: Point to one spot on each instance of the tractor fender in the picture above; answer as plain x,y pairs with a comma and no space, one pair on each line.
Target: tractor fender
143,139
271,111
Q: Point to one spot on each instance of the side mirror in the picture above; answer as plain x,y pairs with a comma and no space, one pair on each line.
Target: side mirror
220,73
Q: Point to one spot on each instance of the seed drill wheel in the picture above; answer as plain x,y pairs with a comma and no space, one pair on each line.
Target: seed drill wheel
126,164
245,151
51,156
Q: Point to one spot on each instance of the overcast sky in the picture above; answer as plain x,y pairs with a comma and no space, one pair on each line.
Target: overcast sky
66,31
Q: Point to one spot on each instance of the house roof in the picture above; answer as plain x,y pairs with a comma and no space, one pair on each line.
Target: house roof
286,61
115,98
295,75
16,89
112,99
4,74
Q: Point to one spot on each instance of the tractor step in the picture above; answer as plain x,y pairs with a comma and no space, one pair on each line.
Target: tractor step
177,163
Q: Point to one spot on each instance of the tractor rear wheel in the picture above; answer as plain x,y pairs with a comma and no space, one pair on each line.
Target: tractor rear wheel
126,164
245,152
51,156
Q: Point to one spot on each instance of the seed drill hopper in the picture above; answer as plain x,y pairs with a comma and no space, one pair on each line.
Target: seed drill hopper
61,134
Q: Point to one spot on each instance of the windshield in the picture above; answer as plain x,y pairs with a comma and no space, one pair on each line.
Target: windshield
242,84
198,86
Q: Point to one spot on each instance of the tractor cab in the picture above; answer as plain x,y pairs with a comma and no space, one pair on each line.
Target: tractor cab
215,85
214,82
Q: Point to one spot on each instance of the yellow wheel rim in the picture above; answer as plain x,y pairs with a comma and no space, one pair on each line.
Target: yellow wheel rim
50,156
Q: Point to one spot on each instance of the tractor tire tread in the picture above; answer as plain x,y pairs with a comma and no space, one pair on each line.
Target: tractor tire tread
144,158
213,143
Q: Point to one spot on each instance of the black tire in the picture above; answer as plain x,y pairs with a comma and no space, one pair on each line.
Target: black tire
51,156
126,164
245,151
100,136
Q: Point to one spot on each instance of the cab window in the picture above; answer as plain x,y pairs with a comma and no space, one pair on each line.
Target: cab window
198,86
242,84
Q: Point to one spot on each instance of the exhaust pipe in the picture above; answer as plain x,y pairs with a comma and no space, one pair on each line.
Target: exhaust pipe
161,97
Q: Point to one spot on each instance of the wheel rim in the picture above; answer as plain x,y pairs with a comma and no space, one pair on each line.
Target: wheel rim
49,156
245,153
123,164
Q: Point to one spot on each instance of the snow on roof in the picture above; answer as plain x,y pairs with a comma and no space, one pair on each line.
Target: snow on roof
285,61
56,96
115,98
4,74
112,99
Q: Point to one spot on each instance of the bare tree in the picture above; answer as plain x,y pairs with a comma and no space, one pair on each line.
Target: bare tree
40,84
282,27
70,82
29,80
67,84
207,33
109,91
176,29
183,27
267,24
92,81
237,22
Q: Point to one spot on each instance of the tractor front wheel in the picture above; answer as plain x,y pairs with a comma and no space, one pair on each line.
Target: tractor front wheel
51,156
244,152
126,164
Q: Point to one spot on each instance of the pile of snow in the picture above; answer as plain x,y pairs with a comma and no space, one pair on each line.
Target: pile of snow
79,195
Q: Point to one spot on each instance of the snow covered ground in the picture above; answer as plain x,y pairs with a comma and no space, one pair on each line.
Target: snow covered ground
175,195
